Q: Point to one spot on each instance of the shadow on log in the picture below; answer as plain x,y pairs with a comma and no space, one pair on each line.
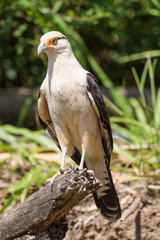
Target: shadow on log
42,215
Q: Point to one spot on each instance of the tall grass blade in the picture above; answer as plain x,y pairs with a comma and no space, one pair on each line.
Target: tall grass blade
76,42
100,73
139,56
23,112
136,77
125,134
140,114
36,136
8,202
156,3
122,102
112,107
119,99
155,61
140,84
9,138
152,81
129,121
156,116
143,80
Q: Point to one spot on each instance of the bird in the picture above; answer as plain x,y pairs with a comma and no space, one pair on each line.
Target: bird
71,107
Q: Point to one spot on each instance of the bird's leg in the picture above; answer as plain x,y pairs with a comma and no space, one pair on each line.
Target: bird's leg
84,148
63,162
61,171
52,179
82,160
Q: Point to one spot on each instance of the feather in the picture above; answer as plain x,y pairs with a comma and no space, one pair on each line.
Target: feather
46,123
106,198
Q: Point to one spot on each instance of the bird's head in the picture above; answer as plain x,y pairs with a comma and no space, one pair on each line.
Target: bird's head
53,42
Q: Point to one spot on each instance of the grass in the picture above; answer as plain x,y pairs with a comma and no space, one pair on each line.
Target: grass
140,124
33,179
23,144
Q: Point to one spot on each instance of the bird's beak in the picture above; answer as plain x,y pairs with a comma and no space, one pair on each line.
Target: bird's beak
42,48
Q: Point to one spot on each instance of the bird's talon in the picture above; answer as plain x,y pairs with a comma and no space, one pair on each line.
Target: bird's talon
61,170
91,173
52,179
47,181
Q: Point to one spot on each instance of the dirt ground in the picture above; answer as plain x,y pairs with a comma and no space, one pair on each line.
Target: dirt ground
140,203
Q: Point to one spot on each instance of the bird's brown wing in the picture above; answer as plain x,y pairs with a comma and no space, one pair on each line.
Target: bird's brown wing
47,124
101,111
108,201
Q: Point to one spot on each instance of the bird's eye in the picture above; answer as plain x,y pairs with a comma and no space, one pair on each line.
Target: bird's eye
54,41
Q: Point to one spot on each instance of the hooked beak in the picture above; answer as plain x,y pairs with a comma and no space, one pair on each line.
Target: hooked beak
42,48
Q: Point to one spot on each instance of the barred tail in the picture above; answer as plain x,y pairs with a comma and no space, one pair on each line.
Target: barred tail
106,197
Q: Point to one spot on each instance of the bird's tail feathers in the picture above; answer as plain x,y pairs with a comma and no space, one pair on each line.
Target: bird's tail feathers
106,197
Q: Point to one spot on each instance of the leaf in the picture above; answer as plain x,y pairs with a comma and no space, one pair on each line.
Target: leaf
152,81
129,121
136,77
112,107
20,30
122,102
124,134
143,77
36,136
23,112
140,114
100,73
156,116
138,56
9,201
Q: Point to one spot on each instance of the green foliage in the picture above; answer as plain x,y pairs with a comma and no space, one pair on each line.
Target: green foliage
23,112
100,32
26,107
142,129
35,177
16,140
24,143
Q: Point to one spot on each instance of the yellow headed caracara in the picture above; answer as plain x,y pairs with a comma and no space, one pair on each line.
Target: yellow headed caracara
71,108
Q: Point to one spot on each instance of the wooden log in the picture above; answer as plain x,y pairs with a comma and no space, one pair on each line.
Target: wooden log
44,210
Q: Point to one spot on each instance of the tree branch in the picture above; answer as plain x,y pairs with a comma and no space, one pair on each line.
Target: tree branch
41,213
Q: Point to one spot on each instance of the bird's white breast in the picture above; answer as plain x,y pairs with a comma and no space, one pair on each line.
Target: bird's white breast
70,107
65,86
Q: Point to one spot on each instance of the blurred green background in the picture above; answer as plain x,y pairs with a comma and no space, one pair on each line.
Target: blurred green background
104,30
